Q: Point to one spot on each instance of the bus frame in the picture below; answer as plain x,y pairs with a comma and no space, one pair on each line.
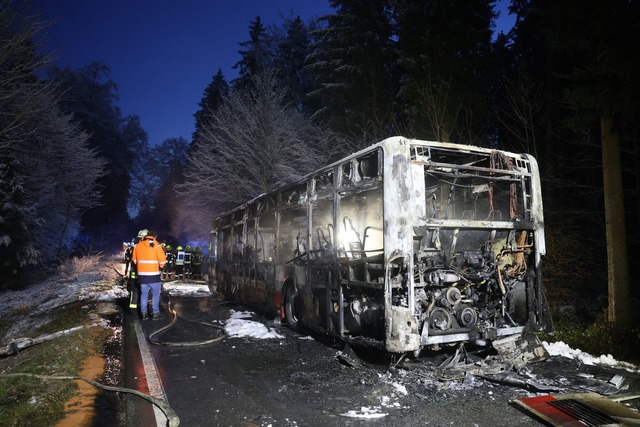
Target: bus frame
403,245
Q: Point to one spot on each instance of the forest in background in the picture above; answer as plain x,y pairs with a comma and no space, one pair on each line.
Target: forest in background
561,85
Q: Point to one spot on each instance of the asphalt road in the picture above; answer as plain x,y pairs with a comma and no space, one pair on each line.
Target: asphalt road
299,381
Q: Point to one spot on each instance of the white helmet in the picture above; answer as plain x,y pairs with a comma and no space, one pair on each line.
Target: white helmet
142,233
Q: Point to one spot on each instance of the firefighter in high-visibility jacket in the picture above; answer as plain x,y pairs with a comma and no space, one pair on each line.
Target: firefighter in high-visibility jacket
149,258
131,273
179,263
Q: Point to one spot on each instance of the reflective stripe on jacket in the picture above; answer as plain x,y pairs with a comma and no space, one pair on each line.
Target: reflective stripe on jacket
149,258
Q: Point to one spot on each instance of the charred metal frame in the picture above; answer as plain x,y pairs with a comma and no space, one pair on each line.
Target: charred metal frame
403,245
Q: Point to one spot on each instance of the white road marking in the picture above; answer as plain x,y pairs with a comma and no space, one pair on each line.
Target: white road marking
151,372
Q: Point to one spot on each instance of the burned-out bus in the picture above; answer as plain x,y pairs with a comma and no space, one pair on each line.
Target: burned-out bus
404,245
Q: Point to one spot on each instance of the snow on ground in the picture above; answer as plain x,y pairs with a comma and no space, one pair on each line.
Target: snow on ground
186,289
241,325
365,412
561,349
53,293
25,306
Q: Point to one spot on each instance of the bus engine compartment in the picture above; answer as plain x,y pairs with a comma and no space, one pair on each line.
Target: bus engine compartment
480,290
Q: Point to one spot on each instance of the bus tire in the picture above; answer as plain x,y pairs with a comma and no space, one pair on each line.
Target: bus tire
290,311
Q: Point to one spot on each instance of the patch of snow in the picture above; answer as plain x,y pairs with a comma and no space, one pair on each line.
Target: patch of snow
112,294
399,388
365,412
186,289
388,402
239,325
561,349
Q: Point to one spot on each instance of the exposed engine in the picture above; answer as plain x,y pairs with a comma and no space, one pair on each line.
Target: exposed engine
473,291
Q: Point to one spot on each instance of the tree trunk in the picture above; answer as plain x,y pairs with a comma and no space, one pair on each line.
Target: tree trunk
617,257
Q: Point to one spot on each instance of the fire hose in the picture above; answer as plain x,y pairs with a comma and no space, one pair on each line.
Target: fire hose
172,417
175,318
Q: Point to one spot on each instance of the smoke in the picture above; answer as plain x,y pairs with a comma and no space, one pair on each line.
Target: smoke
191,225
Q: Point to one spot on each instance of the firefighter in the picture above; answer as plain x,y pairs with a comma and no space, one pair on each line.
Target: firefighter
196,263
132,279
167,271
187,261
150,259
128,266
179,263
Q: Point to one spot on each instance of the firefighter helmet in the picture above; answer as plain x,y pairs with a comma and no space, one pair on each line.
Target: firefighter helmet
143,233
179,248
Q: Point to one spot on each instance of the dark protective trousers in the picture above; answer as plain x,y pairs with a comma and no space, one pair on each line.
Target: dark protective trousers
134,293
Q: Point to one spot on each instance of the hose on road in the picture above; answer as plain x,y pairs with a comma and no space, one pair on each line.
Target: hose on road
172,417
187,343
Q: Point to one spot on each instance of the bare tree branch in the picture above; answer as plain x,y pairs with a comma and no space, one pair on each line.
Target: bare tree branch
254,143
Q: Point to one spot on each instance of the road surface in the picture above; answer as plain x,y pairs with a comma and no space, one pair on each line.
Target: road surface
295,380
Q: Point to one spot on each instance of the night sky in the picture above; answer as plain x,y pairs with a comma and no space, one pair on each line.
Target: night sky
162,53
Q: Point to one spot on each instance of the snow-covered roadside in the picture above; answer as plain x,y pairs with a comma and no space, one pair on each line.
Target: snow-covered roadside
55,292
26,307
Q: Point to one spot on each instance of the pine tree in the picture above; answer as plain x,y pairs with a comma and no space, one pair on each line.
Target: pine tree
214,94
257,56
353,62
289,61
444,47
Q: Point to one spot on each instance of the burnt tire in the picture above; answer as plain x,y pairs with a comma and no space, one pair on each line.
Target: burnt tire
291,310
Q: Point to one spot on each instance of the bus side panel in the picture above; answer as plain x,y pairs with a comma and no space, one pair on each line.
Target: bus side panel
402,327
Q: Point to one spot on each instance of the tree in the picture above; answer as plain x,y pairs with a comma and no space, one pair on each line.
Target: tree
138,142
62,182
353,64
444,49
172,160
213,96
581,58
253,144
603,89
48,173
92,98
289,61
154,171
257,56
518,116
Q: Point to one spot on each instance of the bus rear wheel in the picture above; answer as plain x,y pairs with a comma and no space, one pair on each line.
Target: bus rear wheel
290,311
